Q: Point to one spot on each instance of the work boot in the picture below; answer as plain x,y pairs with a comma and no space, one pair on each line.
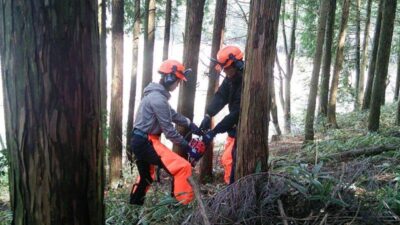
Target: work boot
136,200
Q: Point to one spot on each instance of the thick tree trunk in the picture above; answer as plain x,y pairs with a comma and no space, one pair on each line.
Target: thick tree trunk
358,51
252,144
382,63
289,72
364,55
206,165
103,61
51,89
115,143
135,59
167,28
191,49
274,109
312,97
372,62
326,67
149,38
338,65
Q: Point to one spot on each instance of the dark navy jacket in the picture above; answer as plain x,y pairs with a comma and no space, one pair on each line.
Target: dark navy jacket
229,92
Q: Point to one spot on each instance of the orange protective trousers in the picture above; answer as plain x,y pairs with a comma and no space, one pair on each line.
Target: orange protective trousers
178,167
226,159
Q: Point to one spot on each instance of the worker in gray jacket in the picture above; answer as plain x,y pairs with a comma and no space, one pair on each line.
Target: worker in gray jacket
155,116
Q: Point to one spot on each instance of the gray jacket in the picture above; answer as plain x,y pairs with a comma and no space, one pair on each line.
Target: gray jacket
155,115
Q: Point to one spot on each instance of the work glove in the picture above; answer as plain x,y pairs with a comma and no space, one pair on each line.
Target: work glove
206,123
195,129
208,137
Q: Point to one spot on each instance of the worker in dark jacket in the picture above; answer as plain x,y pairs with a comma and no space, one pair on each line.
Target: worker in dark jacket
155,116
230,60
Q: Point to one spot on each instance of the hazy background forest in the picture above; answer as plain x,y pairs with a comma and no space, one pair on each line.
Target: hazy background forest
326,165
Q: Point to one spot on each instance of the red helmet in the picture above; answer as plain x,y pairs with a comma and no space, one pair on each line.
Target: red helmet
227,55
171,66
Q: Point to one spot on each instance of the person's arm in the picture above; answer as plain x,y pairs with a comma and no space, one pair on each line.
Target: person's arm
162,111
227,123
179,118
219,100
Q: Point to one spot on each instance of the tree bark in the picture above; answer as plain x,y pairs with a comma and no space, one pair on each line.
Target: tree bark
398,113
338,65
289,72
364,55
358,51
372,62
191,49
312,97
51,90
167,28
103,60
252,144
115,140
382,63
149,38
132,93
326,67
396,89
206,165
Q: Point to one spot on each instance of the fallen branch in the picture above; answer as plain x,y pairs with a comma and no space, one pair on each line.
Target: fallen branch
198,197
364,151
282,212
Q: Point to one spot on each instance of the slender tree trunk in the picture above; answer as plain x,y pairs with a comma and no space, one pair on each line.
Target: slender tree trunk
358,51
372,62
338,65
289,72
326,67
191,50
364,55
167,29
252,151
115,143
52,102
396,89
312,97
398,113
274,109
149,38
382,63
206,164
132,94
103,61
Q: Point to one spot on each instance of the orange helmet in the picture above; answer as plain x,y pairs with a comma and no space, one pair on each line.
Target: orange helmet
171,66
228,55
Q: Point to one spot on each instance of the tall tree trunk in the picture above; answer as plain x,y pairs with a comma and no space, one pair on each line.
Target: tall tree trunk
206,164
167,28
338,65
132,94
358,51
289,71
312,97
326,67
364,55
115,143
372,62
252,144
396,89
382,63
274,108
398,113
103,60
51,91
191,49
149,38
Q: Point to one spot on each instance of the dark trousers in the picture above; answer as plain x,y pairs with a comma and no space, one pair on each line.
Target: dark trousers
146,156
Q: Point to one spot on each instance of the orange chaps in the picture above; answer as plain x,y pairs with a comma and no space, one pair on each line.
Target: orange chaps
178,167
226,159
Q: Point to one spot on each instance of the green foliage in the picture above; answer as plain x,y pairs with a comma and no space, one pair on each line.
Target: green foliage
389,196
160,208
5,217
308,22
